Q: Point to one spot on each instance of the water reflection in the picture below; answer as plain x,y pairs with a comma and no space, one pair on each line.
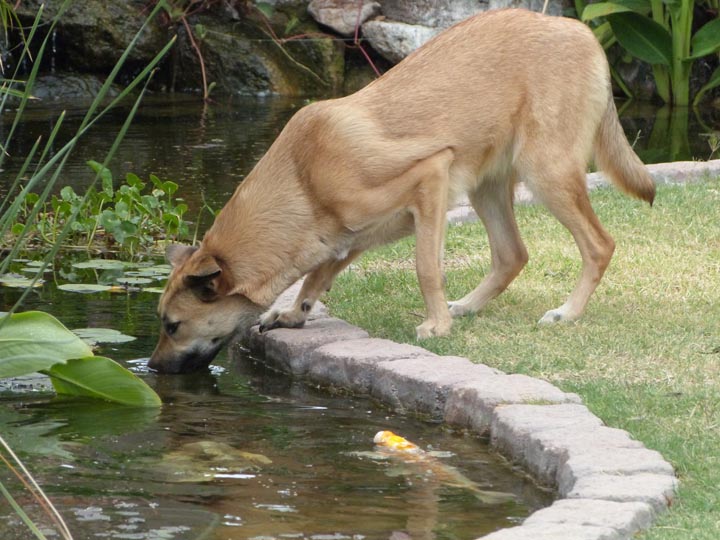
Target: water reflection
222,460
662,134
208,149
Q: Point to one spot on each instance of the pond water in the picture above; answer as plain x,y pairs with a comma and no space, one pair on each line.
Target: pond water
208,149
239,452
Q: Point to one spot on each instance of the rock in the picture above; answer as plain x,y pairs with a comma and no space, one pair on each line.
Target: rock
244,50
657,490
242,57
342,15
92,35
70,86
433,13
395,40
626,518
555,7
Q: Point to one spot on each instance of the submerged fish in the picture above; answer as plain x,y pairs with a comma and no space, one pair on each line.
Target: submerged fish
418,461
391,441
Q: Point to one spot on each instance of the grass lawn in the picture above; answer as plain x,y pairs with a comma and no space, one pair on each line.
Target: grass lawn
646,355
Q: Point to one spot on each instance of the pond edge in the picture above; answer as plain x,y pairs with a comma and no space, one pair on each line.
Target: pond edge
610,486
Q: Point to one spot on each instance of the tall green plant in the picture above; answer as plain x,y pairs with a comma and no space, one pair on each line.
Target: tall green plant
660,32
49,162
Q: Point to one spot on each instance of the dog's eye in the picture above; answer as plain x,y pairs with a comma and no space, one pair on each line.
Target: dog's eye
171,328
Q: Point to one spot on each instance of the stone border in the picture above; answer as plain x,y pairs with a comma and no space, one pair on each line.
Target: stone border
610,485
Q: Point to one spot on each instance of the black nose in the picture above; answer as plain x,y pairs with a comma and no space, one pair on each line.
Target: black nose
185,362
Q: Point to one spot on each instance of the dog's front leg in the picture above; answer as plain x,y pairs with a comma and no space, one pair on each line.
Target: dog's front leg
429,214
315,284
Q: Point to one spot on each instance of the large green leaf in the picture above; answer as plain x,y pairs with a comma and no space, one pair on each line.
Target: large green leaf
34,341
706,40
103,378
603,9
642,37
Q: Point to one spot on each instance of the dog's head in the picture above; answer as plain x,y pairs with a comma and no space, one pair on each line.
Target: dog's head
200,311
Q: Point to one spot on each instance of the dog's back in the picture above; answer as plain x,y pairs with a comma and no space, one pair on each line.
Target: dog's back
504,96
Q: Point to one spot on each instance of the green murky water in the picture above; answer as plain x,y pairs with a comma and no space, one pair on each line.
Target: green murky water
238,452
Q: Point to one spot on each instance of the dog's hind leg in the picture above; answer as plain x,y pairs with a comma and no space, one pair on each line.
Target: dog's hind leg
315,284
566,197
493,202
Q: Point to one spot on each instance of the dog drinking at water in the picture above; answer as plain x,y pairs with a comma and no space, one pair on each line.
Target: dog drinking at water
504,96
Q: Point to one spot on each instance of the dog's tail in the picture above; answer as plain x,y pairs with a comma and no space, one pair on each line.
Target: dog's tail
615,156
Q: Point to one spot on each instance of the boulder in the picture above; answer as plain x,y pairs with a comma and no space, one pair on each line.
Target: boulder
433,13
555,7
395,40
342,15
244,57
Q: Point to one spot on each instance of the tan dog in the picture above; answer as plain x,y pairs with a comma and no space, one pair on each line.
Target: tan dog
503,96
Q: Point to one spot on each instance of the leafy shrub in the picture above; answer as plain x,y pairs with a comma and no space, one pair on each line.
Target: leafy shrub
130,218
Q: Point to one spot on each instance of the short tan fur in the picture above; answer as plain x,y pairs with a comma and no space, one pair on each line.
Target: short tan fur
504,96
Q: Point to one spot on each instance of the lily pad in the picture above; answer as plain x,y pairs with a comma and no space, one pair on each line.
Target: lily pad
84,287
35,269
19,282
36,264
134,280
101,264
93,336
156,290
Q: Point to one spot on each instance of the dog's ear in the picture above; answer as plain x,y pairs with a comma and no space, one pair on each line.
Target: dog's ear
206,279
176,254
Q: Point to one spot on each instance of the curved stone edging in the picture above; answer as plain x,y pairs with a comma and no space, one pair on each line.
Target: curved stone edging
610,485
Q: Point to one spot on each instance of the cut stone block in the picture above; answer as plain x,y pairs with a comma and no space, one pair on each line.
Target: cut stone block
626,518
543,438
421,385
472,404
352,364
619,462
289,349
657,490
555,532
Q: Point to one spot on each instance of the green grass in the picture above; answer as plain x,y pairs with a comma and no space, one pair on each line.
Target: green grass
646,355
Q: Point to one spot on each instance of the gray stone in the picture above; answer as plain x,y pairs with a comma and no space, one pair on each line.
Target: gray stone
395,40
421,385
342,15
543,438
555,7
657,490
435,13
352,364
472,404
555,531
626,518
289,349
619,462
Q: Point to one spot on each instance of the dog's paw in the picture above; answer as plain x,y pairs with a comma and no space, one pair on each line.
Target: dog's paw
458,309
431,328
554,316
282,319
